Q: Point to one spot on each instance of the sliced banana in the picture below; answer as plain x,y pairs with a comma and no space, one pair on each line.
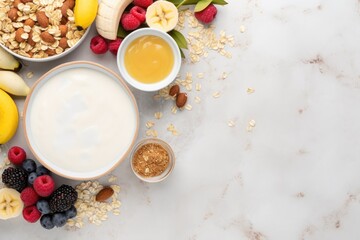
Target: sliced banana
162,15
11,204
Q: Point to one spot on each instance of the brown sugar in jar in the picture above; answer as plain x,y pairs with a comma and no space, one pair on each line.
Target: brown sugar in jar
150,160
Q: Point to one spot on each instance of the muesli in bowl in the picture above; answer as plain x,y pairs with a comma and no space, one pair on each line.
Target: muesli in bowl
39,30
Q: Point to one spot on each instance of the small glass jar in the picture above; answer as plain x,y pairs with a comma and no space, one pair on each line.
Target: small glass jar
169,167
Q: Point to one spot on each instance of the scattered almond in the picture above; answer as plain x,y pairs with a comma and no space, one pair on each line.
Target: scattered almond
174,90
47,37
63,30
64,9
26,1
63,43
104,194
42,19
71,3
29,22
12,14
30,41
18,34
50,52
181,100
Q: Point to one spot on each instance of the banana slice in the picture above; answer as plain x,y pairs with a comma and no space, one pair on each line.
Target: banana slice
11,204
162,15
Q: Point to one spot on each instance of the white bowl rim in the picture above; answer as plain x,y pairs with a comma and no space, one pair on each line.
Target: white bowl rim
72,174
51,58
153,86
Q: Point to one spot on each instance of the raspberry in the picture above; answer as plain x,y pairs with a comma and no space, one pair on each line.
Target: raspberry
143,3
31,214
44,185
29,196
129,22
114,46
98,45
139,13
207,15
16,155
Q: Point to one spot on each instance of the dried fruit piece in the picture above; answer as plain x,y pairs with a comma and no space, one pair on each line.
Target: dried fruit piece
104,194
181,100
174,90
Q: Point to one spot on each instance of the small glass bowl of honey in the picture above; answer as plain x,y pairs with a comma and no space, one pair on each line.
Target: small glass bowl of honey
148,59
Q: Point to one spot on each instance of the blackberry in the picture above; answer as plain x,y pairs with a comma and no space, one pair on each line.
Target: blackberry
15,178
63,198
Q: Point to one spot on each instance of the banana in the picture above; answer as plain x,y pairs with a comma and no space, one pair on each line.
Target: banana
13,84
8,62
9,117
11,204
162,15
85,12
108,17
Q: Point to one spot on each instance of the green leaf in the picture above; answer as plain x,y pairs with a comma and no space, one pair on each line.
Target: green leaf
121,32
219,2
179,38
182,53
201,5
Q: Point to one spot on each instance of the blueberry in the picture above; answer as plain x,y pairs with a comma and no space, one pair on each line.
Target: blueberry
43,206
31,178
29,165
71,212
41,170
46,221
59,219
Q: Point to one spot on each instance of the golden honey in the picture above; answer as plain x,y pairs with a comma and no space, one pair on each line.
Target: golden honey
149,59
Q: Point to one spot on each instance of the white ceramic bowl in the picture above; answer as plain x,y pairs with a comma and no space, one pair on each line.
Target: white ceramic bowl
151,86
59,131
47,59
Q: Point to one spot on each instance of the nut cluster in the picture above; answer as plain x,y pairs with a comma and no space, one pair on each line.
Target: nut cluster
38,28
181,98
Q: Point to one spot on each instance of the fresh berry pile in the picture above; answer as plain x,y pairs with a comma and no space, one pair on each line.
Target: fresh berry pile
37,191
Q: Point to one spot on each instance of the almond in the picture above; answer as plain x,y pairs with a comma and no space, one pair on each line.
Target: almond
64,8
174,90
12,14
64,20
63,30
104,194
47,37
18,34
16,3
29,22
30,41
63,43
26,1
50,52
181,100
71,3
42,19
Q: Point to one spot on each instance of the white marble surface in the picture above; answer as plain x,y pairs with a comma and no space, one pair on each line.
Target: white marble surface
295,176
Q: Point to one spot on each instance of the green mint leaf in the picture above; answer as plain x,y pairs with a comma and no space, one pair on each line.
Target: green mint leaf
179,38
201,5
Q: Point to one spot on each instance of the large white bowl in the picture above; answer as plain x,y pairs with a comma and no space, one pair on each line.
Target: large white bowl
31,105
149,87
54,57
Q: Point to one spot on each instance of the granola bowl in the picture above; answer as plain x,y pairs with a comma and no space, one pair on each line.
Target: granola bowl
39,31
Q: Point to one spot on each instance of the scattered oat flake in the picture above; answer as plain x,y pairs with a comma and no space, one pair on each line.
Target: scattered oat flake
149,124
251,125
200,75
250,90
158,115
174,109
216,94
112,179
242,28
171,128
29,74
151,132
223,76
231,123
188,107
197,99
198,87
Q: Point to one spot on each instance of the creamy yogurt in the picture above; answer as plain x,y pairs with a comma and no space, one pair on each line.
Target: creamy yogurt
82,120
